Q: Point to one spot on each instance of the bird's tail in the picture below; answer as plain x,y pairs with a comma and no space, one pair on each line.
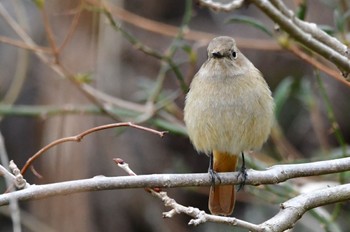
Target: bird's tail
222,197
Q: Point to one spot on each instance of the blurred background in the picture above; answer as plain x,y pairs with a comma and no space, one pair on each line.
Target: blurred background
99,62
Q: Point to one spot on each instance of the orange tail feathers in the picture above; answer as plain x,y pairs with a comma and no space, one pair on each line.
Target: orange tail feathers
222,198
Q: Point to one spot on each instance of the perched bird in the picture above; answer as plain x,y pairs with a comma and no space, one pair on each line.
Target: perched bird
228,110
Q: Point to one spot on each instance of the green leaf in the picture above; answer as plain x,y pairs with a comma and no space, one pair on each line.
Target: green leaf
191,54
83,78
302,10
339,21
187,48
282,93
39,3
250,21
304,93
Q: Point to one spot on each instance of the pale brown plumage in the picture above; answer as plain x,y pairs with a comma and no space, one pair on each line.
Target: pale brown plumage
228,110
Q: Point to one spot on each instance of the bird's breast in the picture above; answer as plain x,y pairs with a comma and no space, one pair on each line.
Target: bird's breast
230,115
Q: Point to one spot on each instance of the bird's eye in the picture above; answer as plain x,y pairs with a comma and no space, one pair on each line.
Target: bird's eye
234,54
217,55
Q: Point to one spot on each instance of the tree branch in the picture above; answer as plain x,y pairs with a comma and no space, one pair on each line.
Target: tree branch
308,34
293,209
220,6
273,175
302,34
80,136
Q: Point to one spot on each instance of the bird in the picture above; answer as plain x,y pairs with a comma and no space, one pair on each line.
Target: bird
229,110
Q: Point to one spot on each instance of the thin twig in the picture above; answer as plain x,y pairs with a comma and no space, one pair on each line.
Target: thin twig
166,121
13,201
169,54
57,67
199,215
147,50
22,63
80,136
72,28
171,31
50,35
19,44
27,39
334,124
4,172
125,166
309,59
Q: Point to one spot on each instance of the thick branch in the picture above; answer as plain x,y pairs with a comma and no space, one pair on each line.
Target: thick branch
302,35
293,209
308,34
273,175
312,29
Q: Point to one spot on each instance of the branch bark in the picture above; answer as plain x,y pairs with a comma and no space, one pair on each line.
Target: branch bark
292,210
308,34
273,175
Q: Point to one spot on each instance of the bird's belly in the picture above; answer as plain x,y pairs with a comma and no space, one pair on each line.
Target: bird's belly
228,126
